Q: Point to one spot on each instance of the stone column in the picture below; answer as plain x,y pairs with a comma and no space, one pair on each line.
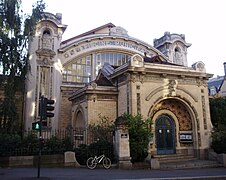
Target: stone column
121,143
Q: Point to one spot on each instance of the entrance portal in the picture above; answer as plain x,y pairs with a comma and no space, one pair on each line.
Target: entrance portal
165,130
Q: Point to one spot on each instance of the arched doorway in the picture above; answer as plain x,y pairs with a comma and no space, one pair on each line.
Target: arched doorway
79,120
165,135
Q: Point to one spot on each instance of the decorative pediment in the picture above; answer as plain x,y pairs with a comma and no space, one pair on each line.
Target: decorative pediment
118,31
137,61
199,66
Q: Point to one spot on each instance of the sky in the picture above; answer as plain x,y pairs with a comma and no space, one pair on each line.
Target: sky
202,21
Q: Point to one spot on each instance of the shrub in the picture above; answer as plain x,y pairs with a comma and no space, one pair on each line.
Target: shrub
83,152
218,141
218,118
14,144
139,136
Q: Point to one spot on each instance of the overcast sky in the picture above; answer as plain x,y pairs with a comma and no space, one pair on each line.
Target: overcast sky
202,21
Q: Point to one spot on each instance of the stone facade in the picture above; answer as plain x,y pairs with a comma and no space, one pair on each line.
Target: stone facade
153,90
97,103
105,72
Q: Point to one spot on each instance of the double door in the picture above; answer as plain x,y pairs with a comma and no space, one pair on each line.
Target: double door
165,135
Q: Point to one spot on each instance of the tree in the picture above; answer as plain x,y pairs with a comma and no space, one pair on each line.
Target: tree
15,31
218,118
139,136
218,112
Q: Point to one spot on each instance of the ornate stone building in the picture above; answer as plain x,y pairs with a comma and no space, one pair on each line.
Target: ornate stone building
107,72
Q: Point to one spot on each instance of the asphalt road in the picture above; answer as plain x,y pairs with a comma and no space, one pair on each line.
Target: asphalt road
113,174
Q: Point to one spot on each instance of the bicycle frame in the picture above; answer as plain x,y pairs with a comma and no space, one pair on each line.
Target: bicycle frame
99,158
93,161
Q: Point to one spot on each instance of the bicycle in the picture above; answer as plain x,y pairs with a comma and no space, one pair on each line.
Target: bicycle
93,161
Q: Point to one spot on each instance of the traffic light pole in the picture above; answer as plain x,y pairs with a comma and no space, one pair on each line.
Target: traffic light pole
40,136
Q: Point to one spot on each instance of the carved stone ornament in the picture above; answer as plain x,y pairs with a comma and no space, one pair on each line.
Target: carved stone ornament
137,60
66,55
118,31
94,85
199,66
45,52
45,62
172,87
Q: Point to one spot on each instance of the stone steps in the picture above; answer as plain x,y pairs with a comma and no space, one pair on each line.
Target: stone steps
174,158
190,164
184,161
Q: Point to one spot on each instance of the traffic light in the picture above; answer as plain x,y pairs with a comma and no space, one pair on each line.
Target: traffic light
47,108
36,125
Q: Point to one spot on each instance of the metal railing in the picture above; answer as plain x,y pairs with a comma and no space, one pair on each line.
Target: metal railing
53,142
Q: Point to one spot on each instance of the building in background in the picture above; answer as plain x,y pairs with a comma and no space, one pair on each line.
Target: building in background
105,71
217,85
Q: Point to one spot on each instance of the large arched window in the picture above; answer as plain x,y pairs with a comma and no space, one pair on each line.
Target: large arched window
178,56
78,70
85,69
47,41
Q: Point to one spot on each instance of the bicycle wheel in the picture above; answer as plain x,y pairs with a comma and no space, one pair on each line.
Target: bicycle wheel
106,163
91,163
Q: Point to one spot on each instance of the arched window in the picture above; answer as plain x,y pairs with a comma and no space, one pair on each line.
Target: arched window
178,59
85,69
177,50
47,41
79,122
46,32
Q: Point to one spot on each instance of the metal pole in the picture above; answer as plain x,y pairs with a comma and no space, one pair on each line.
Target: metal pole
40,136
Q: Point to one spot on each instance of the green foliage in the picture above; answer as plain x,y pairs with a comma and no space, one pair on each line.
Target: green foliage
56,145
14,55
219,139
101,133
139,136
8,141
218,112
13,144
83,152
101,129
218,118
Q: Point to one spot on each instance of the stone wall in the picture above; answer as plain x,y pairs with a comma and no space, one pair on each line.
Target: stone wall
104,108
65,113
122,99
28,161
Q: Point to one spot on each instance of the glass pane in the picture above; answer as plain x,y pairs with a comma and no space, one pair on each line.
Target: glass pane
107,57
111,59
88,60
79,67
115,56
74,66
115,62
87,71
79,61
98,56
119,59
69,78
123,59
103,56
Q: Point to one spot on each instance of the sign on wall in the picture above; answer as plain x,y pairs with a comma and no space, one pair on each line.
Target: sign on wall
185,137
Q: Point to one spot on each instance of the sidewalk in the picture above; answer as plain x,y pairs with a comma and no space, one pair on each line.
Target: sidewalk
111,174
